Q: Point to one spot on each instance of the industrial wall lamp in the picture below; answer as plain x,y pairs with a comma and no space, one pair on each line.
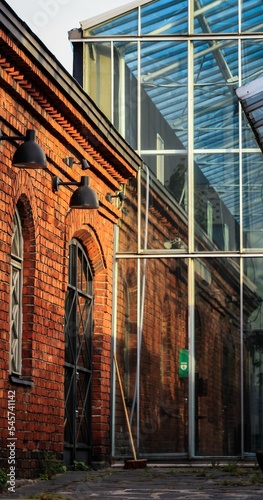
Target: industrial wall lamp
70,161
83,197
29,154
119,195
176,243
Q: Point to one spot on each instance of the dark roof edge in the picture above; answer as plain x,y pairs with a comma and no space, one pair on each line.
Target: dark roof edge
17,29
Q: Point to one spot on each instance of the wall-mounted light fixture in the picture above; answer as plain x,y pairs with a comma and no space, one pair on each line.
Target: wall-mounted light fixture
119,195
29,154
70,161
176,243
83,197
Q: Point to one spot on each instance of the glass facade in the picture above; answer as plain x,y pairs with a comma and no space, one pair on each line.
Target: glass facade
189,248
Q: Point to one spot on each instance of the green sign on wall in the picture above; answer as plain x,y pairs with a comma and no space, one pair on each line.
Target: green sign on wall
183,363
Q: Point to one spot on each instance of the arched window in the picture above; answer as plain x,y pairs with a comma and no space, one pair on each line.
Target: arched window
16,297
78,356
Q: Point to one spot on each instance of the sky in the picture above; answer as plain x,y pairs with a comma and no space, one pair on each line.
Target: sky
51,20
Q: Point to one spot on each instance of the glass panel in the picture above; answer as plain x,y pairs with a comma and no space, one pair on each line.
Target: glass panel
17,238
217,358
163,219
15,319
248,136
252,61
252,15
253,354
163,352
164,94
216,17
126,90
215,101
217,202
126,350
81,271
164,17
83,414
126,24
70,326
160,340
83,338
128,227
252,200
97,74
16,296
252,57
72,270
170,171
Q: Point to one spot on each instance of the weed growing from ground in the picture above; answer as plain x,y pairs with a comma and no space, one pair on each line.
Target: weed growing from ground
51,466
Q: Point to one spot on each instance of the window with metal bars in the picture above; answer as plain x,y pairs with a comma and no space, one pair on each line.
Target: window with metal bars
15,361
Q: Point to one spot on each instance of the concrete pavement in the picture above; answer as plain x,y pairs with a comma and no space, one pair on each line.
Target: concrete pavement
156,483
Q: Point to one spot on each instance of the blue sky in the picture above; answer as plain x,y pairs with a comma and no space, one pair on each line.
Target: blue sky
51,20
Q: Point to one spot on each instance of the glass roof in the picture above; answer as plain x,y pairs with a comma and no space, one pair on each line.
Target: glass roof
164,67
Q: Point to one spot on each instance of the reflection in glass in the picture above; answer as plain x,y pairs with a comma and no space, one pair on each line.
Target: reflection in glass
125,104
217,358
127,240
216,17
252,200
251,16
164,94
126,350
253,355
167,18
251,55
163,380
215,102
98,62
159,339
158,205
127,24
217,220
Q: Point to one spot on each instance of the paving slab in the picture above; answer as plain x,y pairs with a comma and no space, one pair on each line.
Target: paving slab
156,483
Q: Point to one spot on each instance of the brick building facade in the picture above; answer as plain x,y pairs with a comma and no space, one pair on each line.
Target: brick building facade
87,289
37,93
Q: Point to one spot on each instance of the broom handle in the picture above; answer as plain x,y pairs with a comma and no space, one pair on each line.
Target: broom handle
124,406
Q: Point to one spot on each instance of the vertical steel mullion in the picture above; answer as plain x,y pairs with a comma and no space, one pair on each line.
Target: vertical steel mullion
114,337
191,294
139,177
191,347
241,267
139,143
241,355
122,98
112,81
239,15
240,158
137,389
139,139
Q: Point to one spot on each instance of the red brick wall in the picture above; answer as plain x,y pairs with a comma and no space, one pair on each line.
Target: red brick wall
30,99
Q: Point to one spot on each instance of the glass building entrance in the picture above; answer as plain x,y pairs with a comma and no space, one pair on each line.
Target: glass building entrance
189,285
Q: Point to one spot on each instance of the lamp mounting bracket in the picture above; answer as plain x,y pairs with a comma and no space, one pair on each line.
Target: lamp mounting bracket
56,182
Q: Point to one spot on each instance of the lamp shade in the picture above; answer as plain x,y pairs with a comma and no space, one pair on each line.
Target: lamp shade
84,196
29,154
